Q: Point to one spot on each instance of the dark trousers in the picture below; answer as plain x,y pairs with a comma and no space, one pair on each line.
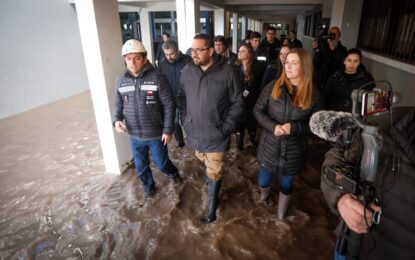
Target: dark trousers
178,133
159,154
265,178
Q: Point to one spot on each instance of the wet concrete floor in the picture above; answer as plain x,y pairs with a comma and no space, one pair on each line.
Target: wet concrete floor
56,202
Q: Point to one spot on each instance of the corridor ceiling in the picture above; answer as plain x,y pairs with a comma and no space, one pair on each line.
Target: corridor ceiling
268,11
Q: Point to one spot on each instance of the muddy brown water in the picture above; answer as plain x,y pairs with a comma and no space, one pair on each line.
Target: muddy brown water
56,202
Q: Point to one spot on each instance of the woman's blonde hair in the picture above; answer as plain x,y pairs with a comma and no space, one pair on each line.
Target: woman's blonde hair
304,91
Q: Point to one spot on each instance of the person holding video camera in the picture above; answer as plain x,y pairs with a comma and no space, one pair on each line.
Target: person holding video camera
338,88
394,235
328,57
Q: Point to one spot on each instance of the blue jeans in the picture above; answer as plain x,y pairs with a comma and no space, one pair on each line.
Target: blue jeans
265,178
159,154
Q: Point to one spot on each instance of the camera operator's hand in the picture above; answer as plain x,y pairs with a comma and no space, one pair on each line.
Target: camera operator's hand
352,212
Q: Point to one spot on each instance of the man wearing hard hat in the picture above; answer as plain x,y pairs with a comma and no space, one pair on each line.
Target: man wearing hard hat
145,109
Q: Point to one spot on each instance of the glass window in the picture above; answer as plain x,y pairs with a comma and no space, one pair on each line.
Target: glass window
387,28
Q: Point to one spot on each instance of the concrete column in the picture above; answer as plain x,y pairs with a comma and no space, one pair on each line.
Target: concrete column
227,24
327,7
100,31
256,24
252,24
188,22
351,23
235,32
259,27
219,21
173,27
243,27
337,13
146,36
300,28
181,25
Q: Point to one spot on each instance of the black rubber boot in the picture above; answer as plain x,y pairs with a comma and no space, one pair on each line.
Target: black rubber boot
148,183
178,135
172,171
213,191
177,179
240,141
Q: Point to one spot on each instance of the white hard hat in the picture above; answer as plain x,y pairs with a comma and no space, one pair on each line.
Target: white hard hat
132,46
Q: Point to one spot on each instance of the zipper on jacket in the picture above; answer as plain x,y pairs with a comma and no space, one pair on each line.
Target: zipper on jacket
137,105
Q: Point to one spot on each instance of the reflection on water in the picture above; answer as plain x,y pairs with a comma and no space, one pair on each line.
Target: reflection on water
56,202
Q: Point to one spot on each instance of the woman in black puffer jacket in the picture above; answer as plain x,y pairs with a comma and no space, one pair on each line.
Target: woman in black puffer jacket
283,111
338,89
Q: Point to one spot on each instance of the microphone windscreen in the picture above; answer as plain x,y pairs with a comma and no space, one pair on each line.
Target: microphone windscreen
330,125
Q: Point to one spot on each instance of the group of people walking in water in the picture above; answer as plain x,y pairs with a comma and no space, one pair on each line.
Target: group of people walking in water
269,87
265,88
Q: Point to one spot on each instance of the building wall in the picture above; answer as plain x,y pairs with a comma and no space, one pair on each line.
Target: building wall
41,54
351,22
403,82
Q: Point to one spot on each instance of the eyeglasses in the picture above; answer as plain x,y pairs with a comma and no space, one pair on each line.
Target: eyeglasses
199,50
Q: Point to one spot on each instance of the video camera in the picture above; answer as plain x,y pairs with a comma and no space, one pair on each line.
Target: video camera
365,104
323,38
327,36
356,178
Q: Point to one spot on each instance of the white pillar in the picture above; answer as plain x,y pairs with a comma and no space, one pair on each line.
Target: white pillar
219,21
235,32
146,36
337,13
326,10
243,27
188,22
172,24
351,22
251,24
257,25
181,25
300,28
100,31
261,27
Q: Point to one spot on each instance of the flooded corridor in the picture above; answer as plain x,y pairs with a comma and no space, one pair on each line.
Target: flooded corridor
56,202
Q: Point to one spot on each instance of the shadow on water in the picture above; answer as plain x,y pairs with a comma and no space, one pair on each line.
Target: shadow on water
57,203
